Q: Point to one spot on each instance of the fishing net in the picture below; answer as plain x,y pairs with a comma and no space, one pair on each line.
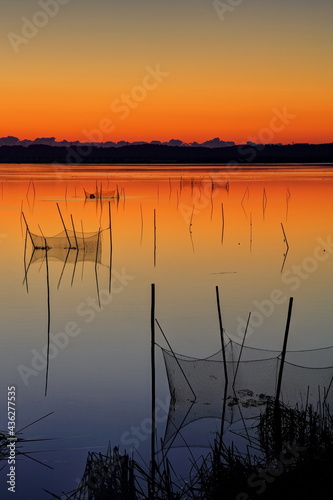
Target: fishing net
70,247
101,194
197,386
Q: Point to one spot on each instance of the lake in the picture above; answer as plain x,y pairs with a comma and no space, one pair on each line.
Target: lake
261,234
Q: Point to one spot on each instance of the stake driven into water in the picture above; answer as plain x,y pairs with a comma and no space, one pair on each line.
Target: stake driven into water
153,391
26,225
110,235
76,242
48,318
284,350
63,223
225,367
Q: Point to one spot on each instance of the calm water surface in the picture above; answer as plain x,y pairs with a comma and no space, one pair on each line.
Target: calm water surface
212,228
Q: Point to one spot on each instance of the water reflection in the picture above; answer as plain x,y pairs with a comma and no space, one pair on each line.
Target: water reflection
185,231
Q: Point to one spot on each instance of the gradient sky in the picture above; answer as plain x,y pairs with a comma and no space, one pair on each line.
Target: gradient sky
225,76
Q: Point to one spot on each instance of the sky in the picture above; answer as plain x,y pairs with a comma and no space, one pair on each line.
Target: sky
98,70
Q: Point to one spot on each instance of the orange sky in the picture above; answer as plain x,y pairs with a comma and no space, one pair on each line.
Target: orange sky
221,78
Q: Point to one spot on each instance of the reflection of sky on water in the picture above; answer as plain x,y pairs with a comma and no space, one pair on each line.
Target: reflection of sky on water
99,383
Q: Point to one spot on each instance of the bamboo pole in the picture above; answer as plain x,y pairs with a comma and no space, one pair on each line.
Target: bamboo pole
25,258
284,350
75,263
111,248
26,225
96,271
48,319
225,368
63,268
63,223
285,236
241,349
76,242
153,392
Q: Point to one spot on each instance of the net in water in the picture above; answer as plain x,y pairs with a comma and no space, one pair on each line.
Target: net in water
197,386
68,246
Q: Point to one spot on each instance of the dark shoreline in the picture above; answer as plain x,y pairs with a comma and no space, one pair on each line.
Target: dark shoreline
233,157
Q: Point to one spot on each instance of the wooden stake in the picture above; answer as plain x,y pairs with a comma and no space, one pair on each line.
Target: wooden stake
25,259
48,319
225,367
26,225
284,349
76,242
96,272
153,391
110,228
285,236
63,268
241,349
63,223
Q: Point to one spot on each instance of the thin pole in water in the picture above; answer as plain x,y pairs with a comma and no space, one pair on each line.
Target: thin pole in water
25,258
241,349
225,367
153,391
26,225
284,350
48,319
63,223
96,269
110,229
76,242
285,237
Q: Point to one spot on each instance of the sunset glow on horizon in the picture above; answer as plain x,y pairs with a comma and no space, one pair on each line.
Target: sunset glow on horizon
160,70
